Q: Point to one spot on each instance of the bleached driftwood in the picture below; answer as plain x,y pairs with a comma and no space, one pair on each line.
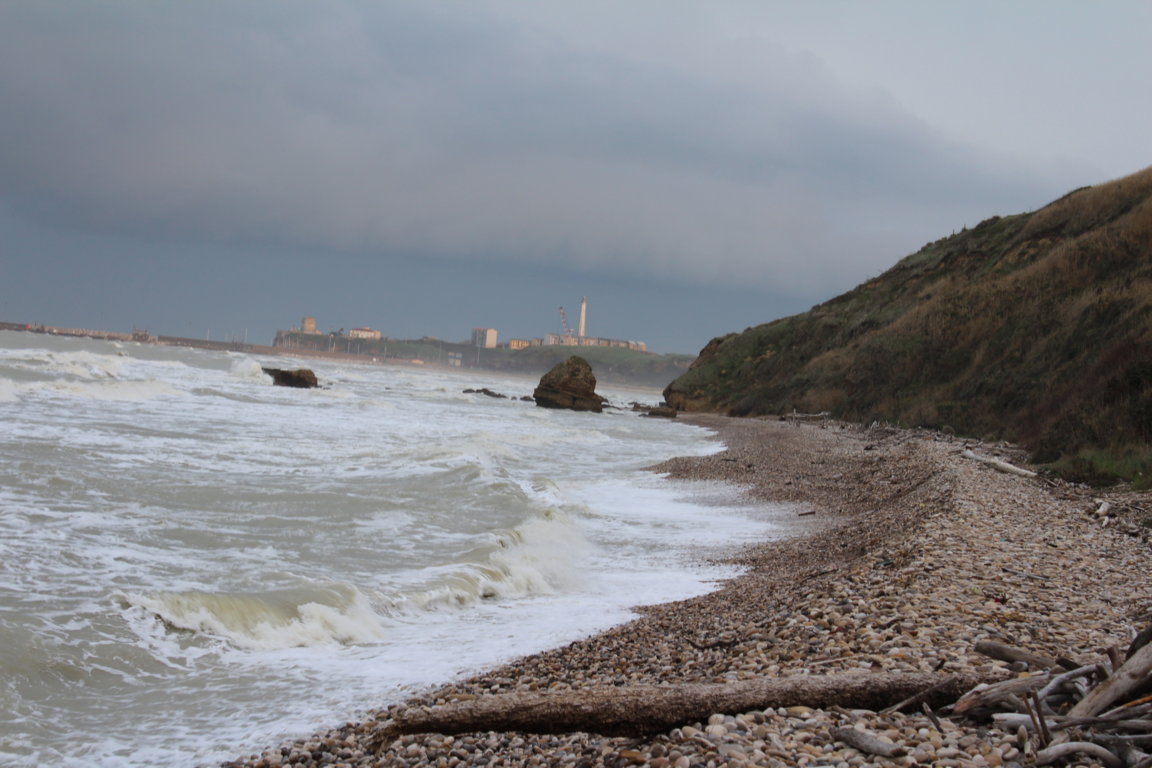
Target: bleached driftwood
1129,677
650,709
1111,737
1003,652
996,693
1061,751
795,417
997,464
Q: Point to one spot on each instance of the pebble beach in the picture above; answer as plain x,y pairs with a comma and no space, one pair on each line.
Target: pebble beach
901,553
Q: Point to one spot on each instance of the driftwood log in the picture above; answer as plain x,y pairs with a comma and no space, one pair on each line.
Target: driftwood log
1010,653
999,465
639,710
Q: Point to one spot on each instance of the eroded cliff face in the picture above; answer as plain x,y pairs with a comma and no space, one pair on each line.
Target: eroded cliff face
687,394
1035,327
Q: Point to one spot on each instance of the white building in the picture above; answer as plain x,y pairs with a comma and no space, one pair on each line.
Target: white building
484,337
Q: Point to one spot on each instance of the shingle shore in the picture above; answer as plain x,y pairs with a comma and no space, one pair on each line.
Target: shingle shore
915,554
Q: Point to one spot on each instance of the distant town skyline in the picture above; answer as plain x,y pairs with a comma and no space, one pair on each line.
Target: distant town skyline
559,333
428,167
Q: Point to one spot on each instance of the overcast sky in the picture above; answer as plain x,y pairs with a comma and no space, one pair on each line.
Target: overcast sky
693,168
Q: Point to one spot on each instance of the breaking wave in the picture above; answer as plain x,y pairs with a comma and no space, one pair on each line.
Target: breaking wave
538,557
288,618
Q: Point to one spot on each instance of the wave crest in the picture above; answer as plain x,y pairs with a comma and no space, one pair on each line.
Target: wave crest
538,557
289,618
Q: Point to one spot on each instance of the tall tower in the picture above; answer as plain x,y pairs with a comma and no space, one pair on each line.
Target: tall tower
583,316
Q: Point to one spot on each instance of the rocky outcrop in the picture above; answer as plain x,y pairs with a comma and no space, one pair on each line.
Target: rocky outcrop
485,391
301,378
571,385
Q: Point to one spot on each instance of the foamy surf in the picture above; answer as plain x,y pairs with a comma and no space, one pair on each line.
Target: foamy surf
299,556
539,557
287,618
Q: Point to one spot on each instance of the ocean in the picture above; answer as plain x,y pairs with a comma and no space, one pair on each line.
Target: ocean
196,565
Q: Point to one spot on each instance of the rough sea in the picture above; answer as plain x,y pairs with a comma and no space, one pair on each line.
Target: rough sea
196,565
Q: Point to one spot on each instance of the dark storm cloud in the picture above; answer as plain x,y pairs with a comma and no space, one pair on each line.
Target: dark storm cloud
454,130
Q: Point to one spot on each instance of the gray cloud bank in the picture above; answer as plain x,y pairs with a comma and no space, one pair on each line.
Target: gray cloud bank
472,131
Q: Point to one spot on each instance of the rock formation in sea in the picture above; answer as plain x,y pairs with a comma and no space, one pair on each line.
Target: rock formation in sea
301,378
570,384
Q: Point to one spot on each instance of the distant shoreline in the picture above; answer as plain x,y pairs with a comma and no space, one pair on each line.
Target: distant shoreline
142,337
607,373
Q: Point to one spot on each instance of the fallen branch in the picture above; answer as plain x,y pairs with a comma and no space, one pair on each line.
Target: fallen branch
920,697
997,464
1008,653
1060,751
996,693
651,709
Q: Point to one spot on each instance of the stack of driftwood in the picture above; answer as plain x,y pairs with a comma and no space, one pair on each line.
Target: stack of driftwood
1100,710
1058,708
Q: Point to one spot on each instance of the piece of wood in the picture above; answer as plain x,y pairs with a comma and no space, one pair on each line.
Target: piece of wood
1009,653
1038,707
990,695
999,465
867,742
919,697
1060,679
1060,751
1133,757
1139,641
642,710
1131,675
932,716
1010,720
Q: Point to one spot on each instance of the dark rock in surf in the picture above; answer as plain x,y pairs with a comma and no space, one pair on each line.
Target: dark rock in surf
569,385
301,378
485,391
663,411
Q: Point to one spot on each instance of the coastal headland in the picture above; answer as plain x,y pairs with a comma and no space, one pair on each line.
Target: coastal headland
902,552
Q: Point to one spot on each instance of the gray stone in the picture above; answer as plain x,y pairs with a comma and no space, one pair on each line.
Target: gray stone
570,385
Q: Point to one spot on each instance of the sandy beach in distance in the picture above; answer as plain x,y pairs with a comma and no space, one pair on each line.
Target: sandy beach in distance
906,553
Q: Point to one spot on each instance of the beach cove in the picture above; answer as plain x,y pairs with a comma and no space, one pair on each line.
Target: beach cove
914,553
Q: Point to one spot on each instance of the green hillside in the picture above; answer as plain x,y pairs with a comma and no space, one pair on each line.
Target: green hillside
1035,328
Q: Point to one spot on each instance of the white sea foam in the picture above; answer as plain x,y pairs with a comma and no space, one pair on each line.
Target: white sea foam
84,365
194,556
111,390
336,613
247,368
539,557
8,391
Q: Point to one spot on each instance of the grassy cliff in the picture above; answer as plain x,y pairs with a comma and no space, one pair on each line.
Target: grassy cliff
1035,328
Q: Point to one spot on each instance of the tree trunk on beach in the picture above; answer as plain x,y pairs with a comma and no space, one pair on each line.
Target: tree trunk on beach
650,709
